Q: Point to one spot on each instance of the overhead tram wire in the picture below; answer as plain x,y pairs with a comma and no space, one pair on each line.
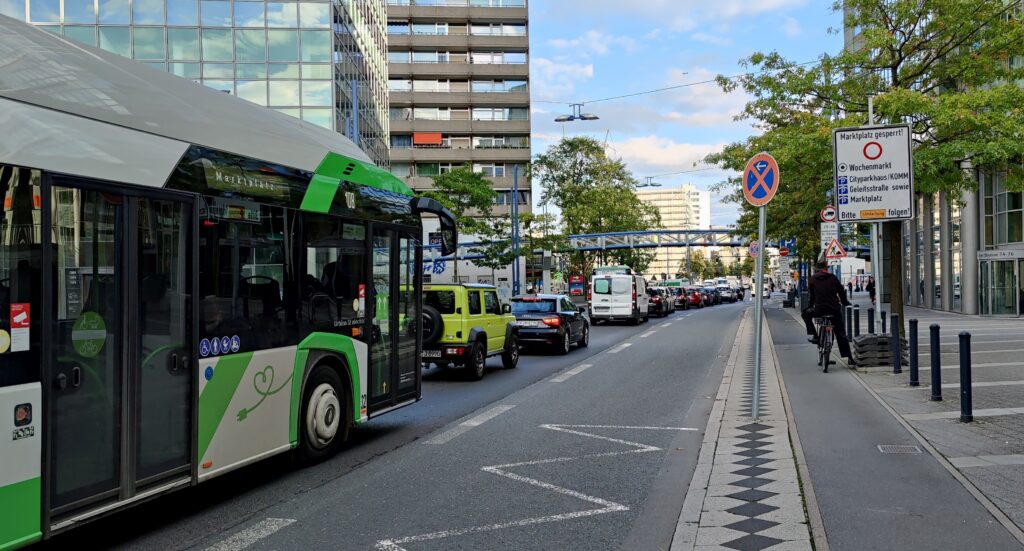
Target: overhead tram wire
679,86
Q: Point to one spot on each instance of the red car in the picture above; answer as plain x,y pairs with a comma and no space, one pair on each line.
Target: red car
695,297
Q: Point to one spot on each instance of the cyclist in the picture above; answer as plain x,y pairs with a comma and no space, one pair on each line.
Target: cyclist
827,298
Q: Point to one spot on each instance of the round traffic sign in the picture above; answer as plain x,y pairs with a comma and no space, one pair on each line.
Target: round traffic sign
784,251
761,179
828,214
872,151
755,248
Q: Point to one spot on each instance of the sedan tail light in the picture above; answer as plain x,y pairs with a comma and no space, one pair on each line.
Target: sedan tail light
553,322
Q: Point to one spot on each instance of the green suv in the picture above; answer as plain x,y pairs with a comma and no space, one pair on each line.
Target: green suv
464,324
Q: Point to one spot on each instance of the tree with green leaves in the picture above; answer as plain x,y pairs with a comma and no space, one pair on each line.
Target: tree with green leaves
595,194
699,266
946,67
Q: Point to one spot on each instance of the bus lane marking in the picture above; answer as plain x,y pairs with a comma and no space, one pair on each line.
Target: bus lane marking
620,348
606,506
574,371
252,534
468,424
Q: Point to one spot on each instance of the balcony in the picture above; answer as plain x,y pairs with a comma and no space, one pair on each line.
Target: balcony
460,99
461,127
460,70
457,11
447,154
422,182
508,43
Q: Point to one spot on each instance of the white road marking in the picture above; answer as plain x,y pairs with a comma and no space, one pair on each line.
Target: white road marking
468,424
574,371
501,470
620,348
251,535
666,324
648,334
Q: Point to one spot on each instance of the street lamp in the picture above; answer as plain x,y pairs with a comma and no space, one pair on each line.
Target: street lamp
577,115
649,183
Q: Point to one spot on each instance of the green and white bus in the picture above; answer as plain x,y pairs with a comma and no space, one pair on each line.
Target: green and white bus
189,283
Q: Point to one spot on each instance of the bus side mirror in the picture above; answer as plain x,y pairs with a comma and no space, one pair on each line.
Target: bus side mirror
449,231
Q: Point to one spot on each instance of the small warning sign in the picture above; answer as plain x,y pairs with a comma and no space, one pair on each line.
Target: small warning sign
835,250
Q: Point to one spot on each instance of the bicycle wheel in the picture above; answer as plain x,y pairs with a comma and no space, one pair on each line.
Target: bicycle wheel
827,348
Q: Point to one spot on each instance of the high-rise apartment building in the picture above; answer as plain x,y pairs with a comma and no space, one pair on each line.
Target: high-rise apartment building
459,91
681,208
323,62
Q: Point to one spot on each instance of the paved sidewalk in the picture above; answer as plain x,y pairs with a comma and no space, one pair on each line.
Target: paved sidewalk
876,485
745,493
989,451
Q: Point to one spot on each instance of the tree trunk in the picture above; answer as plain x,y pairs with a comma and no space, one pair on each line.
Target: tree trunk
894,238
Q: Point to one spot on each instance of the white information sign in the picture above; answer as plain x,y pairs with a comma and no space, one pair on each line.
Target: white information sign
829,231
874,173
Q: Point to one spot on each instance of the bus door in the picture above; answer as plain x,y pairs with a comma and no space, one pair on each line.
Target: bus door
120,358
394,358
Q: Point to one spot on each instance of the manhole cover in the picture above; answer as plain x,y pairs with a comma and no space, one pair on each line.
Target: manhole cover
894,448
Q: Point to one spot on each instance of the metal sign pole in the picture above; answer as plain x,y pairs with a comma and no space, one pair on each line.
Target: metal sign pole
758,315
876,244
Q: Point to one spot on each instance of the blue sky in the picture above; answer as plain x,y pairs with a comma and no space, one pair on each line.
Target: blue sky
584,50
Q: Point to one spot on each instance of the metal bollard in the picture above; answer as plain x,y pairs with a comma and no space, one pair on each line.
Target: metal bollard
914,375
936,364
894,344
871,321
849,318
966,409
883,321
856,321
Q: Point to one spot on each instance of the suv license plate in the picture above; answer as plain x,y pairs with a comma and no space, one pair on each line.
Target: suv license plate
431,353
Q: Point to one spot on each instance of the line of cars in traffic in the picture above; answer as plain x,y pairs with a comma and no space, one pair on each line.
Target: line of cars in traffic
465,324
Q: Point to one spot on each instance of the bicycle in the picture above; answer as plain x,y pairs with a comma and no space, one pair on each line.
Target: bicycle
825,338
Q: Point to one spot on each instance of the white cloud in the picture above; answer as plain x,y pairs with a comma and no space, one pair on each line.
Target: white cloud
670,14
596,42
707,38
553,81
655,154
791,27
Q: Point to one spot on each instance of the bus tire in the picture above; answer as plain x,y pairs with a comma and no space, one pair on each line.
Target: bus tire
326,415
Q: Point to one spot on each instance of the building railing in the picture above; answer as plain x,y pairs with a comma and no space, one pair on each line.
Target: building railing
442,146
470,3
451,62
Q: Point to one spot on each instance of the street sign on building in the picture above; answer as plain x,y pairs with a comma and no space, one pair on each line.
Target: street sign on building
874,172
829,232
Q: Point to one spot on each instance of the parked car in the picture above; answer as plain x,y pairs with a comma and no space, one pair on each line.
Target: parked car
661,305
694,297
728,295
680,298
464,324
552,321
716,297
619,297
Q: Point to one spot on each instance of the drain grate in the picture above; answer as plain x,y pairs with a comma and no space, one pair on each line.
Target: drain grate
894,448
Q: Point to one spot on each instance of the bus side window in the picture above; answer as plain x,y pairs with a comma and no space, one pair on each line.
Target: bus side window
244,281
334,285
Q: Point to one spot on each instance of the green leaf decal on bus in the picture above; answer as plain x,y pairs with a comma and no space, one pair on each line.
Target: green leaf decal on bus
216,396
263,382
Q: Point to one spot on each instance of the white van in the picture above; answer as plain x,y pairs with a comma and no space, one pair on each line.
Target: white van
616,297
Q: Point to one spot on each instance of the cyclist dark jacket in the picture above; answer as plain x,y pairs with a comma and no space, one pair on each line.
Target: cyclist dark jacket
826,292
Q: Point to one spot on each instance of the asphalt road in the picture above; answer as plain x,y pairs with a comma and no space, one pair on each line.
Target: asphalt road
593,450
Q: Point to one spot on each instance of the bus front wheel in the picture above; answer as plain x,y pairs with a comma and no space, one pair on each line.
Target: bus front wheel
326,417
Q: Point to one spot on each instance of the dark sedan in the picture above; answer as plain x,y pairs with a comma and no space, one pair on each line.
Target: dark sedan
551,320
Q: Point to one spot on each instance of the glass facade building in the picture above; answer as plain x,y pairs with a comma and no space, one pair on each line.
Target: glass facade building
323,62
